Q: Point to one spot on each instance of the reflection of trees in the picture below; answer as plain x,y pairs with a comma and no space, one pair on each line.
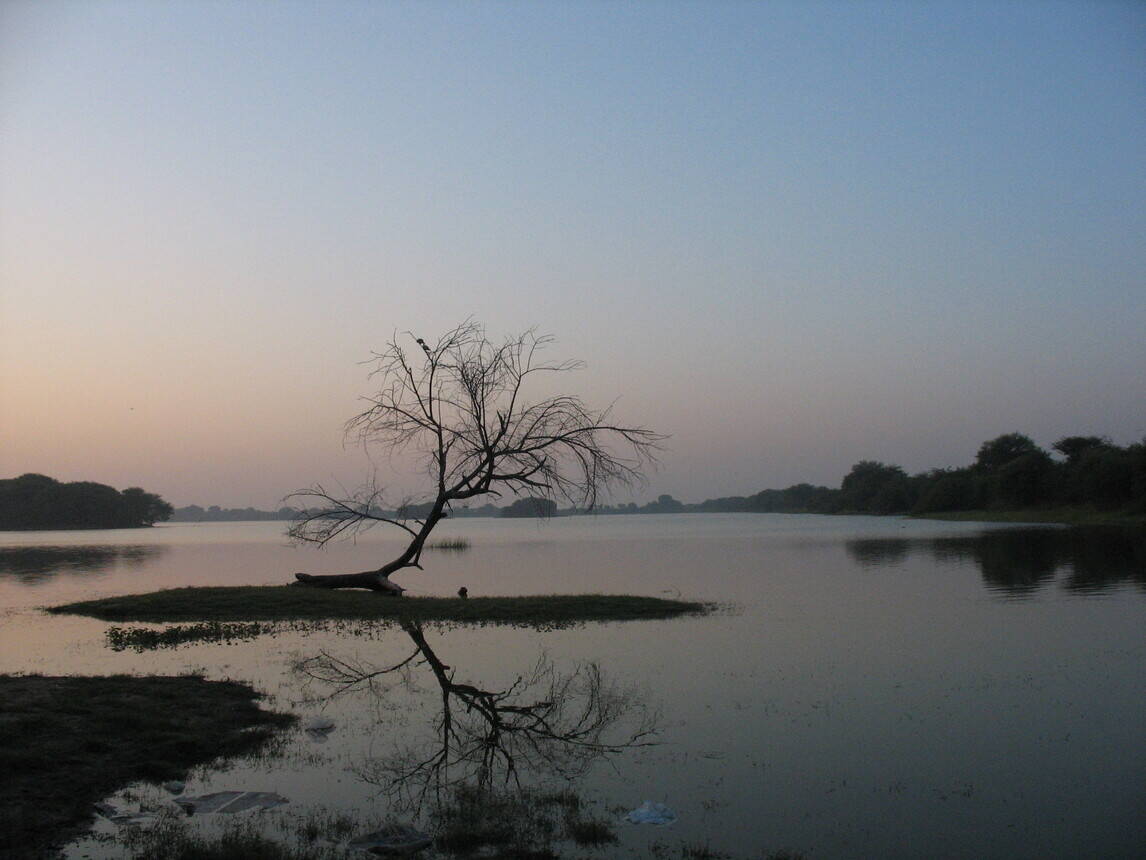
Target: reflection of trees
878,552
1018,562
1015,562
545,723
31,563
1100,558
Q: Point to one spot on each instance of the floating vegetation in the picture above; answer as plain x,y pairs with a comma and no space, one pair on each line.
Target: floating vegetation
174,838
521,823
516,822
457,544
141,639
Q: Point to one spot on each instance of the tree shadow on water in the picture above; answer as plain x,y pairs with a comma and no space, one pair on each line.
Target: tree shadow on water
33,564
546,723
1018,563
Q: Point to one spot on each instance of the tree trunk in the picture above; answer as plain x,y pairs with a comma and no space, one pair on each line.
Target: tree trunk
375,580
379,580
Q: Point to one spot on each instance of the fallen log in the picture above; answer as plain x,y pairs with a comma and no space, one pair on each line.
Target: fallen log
375,580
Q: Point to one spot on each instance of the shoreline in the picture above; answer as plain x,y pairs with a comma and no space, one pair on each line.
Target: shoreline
1044,516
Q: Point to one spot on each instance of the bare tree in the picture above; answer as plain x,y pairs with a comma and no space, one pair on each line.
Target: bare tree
461,405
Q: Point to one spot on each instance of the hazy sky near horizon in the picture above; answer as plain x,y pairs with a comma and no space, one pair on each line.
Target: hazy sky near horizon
791,235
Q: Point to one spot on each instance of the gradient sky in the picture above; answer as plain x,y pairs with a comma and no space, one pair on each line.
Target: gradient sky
791,235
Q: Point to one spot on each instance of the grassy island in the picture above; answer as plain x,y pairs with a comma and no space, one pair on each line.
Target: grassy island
293,603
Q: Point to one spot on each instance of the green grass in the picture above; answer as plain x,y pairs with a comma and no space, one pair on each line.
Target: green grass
66,743
292,603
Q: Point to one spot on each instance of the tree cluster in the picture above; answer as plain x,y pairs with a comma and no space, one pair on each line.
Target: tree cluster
216,514
531,507
1010,472
38,502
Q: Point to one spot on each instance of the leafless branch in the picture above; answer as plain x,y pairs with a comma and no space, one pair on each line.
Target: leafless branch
461,405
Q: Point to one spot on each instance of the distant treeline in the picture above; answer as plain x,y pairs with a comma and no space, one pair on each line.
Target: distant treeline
39,502
215,514
1010,472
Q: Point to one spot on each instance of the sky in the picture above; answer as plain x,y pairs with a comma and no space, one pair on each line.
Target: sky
791,236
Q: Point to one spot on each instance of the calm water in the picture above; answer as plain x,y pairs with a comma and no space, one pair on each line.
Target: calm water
872,687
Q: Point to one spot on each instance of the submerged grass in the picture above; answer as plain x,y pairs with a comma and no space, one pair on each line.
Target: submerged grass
291,603
467,821
141,639
172,839
520,824
67,742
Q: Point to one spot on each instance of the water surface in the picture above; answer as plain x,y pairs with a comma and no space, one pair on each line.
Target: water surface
871,686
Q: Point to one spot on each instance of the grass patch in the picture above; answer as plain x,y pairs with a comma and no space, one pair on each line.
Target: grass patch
68,742
291,603
172,839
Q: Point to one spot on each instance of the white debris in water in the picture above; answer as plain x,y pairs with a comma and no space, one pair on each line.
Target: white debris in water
651,813
230,802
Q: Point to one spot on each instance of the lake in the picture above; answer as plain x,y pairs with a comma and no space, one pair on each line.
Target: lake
867,687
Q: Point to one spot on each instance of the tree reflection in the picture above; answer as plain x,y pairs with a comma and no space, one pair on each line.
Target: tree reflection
33,563
1017,563
547,722
1102,557
878,552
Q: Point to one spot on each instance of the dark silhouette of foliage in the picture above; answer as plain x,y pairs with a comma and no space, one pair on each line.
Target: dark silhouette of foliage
1074,447
1010,472
199,514
951,490
1105,477
998,452
34,501
665,504
798,499
874,487
531,507
1025,480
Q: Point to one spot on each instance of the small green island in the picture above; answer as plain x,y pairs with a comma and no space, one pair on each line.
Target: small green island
293,603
